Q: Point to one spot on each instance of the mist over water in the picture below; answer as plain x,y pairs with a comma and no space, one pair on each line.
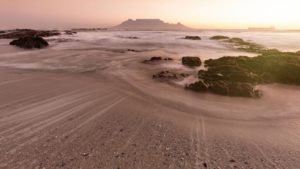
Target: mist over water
109,53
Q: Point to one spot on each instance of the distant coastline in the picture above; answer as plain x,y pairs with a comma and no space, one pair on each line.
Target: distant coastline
149,25
261,29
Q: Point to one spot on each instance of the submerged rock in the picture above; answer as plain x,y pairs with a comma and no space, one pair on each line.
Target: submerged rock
30,42
2,32
134,50
168,75
131,37
199,86
191,61
246,46
226,88
192,38
165,75
157,58
168,59
219,37
70,32
20,33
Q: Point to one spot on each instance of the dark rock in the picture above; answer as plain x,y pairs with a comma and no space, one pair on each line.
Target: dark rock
184,74
131,37
225,88
243,90
30,42
199,86
20,33
70,32
229,73
219,37
168,59
2,32
191,61
156,58
219,87
133,50
192,38
246,46
165,75
204,165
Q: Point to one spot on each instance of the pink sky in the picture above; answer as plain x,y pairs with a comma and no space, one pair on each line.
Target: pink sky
193,13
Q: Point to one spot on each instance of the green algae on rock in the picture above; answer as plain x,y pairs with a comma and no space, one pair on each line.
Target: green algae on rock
191,61
238,76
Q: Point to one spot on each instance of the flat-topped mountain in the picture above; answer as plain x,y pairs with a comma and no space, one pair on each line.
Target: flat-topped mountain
149,24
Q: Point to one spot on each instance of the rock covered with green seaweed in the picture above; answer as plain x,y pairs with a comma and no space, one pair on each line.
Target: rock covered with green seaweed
191,61
238,76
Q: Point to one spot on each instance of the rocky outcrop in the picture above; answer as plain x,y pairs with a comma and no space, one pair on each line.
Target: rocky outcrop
131,37
238,76
226,88
191,61
192,38
228,80
242,45
70,32
20,33
219,37
168,75
157,58
30,42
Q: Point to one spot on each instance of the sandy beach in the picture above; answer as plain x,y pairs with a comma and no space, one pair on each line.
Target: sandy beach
88,101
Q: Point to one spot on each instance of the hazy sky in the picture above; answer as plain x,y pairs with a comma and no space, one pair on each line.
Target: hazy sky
193,13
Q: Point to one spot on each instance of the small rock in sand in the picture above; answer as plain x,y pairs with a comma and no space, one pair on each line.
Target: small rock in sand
85,154
232,161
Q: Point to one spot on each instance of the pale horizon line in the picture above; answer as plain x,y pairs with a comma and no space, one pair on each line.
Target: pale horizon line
187,25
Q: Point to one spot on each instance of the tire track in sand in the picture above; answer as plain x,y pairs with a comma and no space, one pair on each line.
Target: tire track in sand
198,140
95,116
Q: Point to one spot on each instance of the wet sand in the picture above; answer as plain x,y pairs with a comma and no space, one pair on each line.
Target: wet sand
96,107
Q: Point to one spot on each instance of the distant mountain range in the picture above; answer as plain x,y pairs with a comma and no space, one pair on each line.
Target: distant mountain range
149,25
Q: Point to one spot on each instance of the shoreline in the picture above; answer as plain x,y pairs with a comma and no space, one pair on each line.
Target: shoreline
116,116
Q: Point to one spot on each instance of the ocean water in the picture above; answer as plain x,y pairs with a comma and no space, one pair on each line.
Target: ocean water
285,41
113,53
